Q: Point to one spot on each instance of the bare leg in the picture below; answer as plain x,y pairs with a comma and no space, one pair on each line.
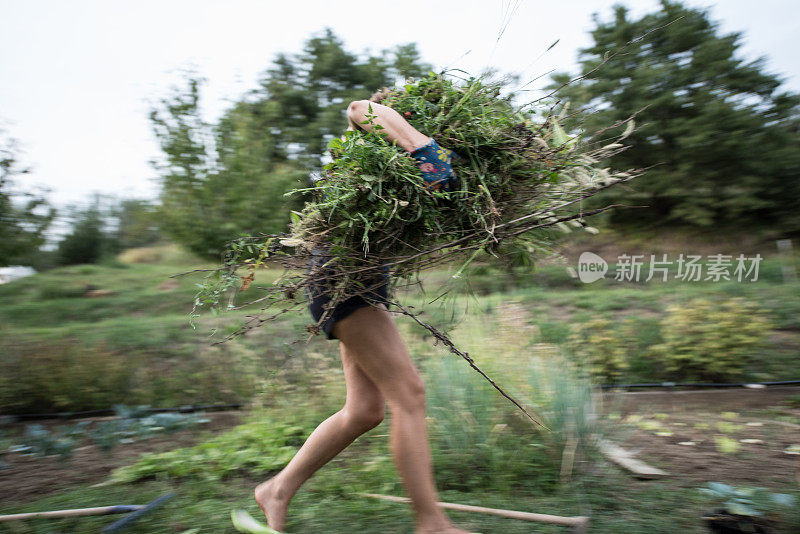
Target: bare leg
377,366
374,343
363,410
394,125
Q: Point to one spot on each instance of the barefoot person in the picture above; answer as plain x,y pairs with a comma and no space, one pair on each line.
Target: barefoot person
377,368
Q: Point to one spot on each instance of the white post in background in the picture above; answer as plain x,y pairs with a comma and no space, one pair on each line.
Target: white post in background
787,261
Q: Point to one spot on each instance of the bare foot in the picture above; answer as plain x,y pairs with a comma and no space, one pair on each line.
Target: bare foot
273,504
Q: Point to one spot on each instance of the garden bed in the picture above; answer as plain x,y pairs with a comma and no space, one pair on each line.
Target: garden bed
750,438
29,477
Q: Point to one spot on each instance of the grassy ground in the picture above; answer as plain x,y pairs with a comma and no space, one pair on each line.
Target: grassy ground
614,503
140,337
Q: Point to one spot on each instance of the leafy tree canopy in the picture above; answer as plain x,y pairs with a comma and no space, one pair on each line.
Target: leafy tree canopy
723,134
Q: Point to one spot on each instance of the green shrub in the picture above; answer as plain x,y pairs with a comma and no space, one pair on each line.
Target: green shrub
641,333
783,306
554,277
37,376
69,375
461,414
88,240
708,340
487,278
600,348
554,332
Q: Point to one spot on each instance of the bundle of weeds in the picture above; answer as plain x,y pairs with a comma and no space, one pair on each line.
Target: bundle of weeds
519,174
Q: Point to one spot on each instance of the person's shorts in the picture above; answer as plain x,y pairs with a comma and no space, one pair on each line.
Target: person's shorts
319,295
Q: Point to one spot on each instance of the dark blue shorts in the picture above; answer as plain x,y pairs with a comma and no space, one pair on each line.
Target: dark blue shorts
319,295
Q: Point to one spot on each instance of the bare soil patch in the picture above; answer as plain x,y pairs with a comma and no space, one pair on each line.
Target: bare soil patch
680,434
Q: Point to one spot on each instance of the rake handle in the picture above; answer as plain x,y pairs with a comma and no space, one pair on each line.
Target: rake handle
98,510
578,521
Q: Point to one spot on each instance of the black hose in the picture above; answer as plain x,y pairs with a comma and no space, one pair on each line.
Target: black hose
111,411
701,385
237,406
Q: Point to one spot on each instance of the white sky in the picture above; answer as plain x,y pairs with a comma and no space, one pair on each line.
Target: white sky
78,76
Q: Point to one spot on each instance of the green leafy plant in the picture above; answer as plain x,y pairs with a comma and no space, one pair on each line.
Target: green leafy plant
750,501
726,427
40,441
373,199
650,426
726,445
711,340
601,348
131,425
135,423
257,447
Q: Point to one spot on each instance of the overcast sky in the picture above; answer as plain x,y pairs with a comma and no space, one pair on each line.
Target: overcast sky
77,77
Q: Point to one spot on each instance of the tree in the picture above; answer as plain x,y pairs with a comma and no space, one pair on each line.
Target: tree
137,223
210,195
220,181
723,134
22,225
89,239
302,98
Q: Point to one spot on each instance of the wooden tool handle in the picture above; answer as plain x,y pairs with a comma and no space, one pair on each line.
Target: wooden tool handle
99,510
578,521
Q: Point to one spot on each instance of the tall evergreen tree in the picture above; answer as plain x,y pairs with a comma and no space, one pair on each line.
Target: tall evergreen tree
722,133
89,239
223,180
